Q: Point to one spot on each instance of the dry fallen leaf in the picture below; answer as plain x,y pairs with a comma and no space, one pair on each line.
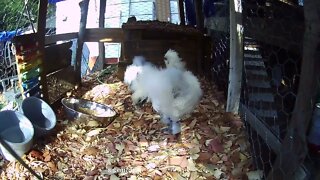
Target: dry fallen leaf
93,124
154,148
52,166
95,132
214,145
91,151
191,166
120,148
134,141
181,161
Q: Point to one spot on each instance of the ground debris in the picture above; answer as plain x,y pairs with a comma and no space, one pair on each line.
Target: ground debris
212,143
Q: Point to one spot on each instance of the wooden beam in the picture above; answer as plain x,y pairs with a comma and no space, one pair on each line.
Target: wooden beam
42,14
102,11
163,10
199,14
83,23
41,31
236,59
103,35
294,148
60,37
181,13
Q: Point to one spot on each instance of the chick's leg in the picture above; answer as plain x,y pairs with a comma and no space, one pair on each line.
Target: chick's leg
167,121
175,127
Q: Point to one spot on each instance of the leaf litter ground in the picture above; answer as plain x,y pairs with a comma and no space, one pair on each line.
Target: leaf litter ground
212,144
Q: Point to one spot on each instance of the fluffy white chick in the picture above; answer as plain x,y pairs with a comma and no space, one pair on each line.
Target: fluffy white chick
131,78
173,93
134,69
172,59
186,92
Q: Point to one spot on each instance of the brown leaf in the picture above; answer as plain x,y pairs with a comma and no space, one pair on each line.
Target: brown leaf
89,178
91,151
143,142
214,145
214,159
47,158
138,123
36,154
181,161
52,166
92,173
192,124
138,163
204,157
194,176
111,147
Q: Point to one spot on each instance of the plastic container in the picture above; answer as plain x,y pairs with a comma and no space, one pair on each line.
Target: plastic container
17,131
40,114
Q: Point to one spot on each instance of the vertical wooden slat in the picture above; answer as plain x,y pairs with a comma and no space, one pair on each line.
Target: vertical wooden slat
294,147
163,10
83,22
199,14
236,58
181,13
102,11
41,30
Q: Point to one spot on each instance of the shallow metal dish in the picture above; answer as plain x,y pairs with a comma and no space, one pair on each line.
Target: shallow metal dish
81,108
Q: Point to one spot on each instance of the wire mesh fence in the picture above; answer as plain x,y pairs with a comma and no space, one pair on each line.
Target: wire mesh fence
272,54
217,23
17,17
273,34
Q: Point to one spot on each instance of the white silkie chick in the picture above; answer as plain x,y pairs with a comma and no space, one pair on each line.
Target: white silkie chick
131,78
183,97
134,69
172,59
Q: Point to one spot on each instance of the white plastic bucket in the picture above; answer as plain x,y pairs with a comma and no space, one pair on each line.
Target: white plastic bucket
17,131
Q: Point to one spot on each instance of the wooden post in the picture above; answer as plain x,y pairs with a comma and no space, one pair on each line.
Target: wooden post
236,57
102,11
83,23
181,13
41,30
294,147
163,10
199,14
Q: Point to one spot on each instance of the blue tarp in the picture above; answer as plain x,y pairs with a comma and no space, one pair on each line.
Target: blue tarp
8,35
54,1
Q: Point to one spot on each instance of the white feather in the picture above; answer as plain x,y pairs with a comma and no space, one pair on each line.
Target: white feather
172,59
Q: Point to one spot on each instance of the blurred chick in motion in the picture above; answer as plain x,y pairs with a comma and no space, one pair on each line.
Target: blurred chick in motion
173,91
186,92
131,78
172,59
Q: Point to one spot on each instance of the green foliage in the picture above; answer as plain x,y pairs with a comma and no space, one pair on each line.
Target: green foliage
12,10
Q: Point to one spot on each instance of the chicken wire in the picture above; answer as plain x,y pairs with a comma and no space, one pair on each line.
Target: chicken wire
272,40
17,17
20,17
217,23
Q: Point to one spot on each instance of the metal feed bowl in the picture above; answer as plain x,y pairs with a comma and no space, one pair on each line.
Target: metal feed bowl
81,108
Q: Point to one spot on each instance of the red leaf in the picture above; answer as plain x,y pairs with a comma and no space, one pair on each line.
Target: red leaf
215,146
